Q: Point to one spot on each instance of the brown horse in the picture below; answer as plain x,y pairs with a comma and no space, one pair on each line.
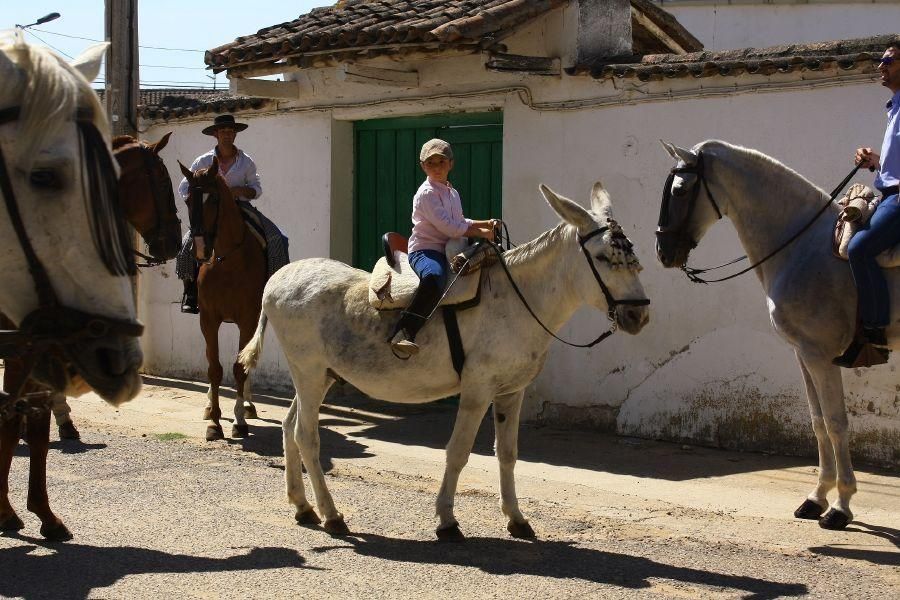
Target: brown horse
145,193
230,285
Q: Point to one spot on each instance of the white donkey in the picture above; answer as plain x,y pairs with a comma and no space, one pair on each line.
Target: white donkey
810,294
60,181
327,328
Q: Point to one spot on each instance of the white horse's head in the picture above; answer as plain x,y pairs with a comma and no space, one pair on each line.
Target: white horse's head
608,260
687,210
60,178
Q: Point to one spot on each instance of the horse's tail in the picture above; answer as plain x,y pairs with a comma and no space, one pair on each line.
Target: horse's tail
249,356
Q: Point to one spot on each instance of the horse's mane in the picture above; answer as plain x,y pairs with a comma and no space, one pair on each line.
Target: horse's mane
48,90
765,161
525,252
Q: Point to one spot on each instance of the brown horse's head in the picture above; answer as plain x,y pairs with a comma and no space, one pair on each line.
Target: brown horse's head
145,190
208,194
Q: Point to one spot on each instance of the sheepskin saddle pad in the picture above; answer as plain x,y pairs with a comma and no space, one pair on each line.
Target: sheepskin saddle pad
392,288
858,205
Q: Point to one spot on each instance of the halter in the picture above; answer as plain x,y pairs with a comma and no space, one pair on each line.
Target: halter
198,231
52,327
612,303
666,229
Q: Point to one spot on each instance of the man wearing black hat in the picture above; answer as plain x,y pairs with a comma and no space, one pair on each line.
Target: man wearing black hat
240,173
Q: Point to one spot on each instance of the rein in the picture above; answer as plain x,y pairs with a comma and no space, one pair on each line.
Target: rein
694,274
51,326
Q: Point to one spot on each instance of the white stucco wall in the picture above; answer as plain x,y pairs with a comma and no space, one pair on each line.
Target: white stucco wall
293,154
746,23
708,367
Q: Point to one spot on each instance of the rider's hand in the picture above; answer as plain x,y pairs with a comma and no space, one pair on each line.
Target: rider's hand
867,159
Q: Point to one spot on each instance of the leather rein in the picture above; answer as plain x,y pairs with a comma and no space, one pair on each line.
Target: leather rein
159,186
51,327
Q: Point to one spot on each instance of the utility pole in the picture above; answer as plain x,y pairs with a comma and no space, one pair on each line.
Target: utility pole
122,78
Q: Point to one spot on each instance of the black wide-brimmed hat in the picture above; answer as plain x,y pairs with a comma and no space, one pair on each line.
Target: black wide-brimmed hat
224,121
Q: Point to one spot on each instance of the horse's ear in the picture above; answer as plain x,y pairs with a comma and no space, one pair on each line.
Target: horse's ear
88,62
214,167
158,146
688,157
185,171
571,212
600,201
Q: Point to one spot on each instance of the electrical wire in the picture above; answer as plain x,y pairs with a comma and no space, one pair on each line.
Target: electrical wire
78,37
27,30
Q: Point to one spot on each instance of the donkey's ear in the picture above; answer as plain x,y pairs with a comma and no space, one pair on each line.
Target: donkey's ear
185,171
88,62
688,157
571,212
158,146
600,201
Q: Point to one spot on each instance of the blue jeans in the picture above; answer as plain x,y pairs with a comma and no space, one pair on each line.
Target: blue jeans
430,264
880,233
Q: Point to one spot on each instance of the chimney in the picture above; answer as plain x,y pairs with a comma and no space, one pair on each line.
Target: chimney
604,29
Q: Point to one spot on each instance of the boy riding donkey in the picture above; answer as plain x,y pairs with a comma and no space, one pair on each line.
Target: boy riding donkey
240,173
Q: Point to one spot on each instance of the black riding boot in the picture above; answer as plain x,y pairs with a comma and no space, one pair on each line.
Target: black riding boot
865,350
189,299
403,339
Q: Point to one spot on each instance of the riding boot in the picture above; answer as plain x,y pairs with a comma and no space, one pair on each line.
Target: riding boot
189,299
866,350
403,339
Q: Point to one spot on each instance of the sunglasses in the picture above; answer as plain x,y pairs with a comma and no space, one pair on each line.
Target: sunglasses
886,61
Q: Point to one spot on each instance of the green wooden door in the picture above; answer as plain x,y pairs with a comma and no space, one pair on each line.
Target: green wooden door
388,172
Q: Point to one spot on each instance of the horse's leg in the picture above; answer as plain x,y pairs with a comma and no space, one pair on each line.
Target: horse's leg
817,502
62,413
9,437
472,405
241,384
37,433
310,394
210,329
506,427
249,407
830,390
293,470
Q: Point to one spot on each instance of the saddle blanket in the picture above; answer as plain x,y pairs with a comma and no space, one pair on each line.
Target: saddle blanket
859,203
392,288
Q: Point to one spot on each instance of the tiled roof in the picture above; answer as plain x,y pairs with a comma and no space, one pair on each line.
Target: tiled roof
854,54
382,26
177,103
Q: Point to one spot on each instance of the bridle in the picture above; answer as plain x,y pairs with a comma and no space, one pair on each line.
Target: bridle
666,229
619,240
198,230
54,328
160,185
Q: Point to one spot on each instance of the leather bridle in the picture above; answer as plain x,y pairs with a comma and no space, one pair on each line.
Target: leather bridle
51,328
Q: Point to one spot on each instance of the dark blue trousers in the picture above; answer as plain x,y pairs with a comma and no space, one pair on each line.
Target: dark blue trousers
880,233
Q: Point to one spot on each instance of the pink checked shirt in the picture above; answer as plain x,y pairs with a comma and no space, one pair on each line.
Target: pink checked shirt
437,217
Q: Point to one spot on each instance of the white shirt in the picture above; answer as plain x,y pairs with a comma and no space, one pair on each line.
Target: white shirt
242,173
437,217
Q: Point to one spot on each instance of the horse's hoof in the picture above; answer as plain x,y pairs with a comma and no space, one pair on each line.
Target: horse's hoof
12,523
307,517
336,526
214,432
56,532
809,510
250,411
520,530
67,431
834,520
240,431
450,534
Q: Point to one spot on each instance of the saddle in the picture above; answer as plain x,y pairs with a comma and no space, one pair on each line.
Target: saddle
254,224
859,203
393,281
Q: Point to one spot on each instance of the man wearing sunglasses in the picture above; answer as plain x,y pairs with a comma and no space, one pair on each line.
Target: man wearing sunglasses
883,229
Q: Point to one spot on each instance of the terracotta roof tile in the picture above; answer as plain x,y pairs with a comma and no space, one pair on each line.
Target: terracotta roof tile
179,103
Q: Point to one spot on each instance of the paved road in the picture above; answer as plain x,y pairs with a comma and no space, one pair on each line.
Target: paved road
157,512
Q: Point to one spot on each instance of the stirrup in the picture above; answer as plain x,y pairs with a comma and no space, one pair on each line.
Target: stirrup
403,348
860,355
189,305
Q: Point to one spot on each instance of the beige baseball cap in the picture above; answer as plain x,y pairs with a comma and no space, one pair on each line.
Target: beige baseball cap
435,146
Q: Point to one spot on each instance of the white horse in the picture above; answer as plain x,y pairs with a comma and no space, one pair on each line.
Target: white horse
810,294
321,314
61,179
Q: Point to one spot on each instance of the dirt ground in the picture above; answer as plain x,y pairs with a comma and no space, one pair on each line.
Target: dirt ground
157,511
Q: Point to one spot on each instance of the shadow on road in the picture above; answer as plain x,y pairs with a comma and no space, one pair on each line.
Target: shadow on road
558,560
877,557
72,570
